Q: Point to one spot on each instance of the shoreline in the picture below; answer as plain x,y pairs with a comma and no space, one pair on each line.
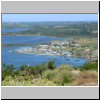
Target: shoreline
40,36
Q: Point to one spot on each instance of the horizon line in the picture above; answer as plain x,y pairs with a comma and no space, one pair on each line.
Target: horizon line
54,21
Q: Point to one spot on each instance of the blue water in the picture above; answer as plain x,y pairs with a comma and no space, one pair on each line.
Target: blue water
13,30
27,39
32,59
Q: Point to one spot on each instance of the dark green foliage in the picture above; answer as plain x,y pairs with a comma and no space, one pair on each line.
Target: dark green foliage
17,72
51,65
8,70
90,66
35,70
24,68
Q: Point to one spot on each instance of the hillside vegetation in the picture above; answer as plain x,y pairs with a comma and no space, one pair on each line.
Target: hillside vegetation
59,29
48,74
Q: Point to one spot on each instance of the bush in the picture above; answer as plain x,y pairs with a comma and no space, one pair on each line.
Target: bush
65,67
51,65
8,70
39,69
24,68
67,78
26,81
48,72
35,70
60,76
49,75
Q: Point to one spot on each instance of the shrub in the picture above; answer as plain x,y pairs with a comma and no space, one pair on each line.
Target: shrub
67,78
38,69
51,65
60,76
8,70
29,75
49,74
65,67
24,68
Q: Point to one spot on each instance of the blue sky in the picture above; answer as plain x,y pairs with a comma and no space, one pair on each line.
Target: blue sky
48,17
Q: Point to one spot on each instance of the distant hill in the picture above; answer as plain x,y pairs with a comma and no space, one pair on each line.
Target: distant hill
53,28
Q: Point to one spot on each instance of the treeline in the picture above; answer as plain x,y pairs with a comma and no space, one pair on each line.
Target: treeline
56,28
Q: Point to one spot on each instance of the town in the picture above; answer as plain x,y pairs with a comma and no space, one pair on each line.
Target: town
61,48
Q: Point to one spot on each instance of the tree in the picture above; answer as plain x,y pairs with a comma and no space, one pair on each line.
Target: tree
51,65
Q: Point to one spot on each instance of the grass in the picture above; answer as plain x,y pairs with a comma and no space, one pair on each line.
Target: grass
59,76
26,81
87,41
86,78
90,66
49,75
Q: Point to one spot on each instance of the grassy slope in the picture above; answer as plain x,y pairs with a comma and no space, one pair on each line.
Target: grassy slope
48,75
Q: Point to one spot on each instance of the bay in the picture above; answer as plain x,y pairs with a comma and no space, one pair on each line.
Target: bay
32,59
28,39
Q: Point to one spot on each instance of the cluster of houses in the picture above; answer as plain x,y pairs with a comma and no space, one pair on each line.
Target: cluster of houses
91,54
56,48
50,50
23,50
70,43
59,48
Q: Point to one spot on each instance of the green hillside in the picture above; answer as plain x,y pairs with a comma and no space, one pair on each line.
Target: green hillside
53,28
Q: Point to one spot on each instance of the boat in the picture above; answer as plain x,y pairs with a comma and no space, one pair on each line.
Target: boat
67,58
77,60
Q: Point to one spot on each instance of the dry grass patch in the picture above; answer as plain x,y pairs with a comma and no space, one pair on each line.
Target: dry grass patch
88,42
87,78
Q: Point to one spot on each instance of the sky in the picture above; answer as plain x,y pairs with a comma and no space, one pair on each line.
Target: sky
48,17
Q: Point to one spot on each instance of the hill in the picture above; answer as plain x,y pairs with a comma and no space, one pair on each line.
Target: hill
53,28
